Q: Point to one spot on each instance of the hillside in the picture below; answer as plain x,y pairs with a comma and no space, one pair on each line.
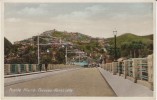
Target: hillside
25,51
148,36
7,46
128,37
67,36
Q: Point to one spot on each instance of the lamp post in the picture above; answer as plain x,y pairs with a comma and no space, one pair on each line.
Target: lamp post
115,67
115,47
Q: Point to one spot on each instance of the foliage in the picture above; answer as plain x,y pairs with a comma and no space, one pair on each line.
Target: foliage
128,45
134,46
7,46
128,37
111,52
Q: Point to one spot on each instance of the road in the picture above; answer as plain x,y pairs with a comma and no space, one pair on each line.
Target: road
80,82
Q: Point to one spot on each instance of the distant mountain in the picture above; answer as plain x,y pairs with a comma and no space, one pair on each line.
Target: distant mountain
7,46
148,36
129,37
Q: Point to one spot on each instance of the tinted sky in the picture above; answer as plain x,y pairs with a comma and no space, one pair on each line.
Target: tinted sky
23,20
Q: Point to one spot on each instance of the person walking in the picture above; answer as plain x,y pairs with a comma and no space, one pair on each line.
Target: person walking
46,65
40,67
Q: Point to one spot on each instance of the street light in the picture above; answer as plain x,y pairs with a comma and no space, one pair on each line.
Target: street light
115,51
48,51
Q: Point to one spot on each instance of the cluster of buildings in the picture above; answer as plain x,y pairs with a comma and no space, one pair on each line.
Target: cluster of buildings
48,38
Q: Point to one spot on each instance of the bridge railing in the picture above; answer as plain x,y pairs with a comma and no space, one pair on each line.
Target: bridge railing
138,70
28,68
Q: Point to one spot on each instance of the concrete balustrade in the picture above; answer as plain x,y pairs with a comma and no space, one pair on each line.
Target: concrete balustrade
48,67
150,68
119,68
34,67
27,68
7,69
146,72
53,66
138,70
114,67
109,67
123,70
106,66
43,67
125,65
19,69
103,66
135,67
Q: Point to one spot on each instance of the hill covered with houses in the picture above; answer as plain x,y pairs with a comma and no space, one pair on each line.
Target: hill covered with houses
26,51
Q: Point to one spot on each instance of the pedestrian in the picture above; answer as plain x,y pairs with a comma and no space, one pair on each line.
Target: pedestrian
40,66
46,65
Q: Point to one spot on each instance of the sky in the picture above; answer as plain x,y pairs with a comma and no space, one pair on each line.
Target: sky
24,20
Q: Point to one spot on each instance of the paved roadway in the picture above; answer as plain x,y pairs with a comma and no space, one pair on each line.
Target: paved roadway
80,82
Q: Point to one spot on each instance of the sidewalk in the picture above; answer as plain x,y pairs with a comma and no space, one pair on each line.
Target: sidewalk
124,87
14,79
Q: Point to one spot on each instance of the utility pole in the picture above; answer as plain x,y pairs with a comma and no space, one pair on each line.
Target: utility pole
79,57
60,40
66,54
38,51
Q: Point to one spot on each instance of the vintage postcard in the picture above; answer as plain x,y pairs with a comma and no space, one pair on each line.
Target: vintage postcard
56,49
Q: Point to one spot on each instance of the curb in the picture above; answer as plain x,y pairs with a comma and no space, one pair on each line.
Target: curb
31,73
107,82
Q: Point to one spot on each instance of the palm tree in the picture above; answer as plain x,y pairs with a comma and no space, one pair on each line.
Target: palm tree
136,47
125,48
130,47
140,47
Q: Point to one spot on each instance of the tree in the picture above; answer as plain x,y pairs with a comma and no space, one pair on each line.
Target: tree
7,46
134,47
61,56
125,48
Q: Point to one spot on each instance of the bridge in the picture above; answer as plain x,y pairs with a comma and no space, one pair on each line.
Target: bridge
126,78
